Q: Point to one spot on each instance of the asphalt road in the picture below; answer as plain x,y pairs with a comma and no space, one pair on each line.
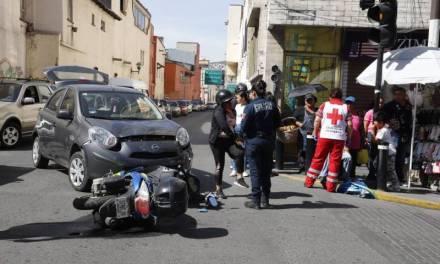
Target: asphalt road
39,225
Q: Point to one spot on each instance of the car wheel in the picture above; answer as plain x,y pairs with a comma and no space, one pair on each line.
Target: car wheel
10,135
78,172
39,161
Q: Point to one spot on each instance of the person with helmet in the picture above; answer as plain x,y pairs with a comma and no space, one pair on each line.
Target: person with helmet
242,99
332,128
222,140
260,121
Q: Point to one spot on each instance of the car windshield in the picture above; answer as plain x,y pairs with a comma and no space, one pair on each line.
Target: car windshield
181,103
118,106
172,103
9,92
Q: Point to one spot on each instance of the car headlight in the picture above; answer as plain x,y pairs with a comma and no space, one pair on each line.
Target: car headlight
182,137
102,137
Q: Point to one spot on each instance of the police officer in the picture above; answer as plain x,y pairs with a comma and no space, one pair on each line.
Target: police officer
260,121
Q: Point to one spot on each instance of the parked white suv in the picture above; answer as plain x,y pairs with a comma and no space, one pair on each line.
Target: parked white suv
20,103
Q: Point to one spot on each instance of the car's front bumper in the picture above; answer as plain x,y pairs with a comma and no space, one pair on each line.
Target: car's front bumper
101,161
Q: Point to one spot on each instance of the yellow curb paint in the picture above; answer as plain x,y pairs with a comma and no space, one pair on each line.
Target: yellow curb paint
384,196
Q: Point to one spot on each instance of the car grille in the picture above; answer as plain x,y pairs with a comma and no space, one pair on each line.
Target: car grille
149,138
148,155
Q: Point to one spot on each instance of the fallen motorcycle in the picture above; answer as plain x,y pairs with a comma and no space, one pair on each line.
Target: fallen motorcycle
134,196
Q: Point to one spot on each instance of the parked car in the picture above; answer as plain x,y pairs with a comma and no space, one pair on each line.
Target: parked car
94,129
130,83
163,103
196,106
163,107
20,102
211,106
189,105
174,108
183,107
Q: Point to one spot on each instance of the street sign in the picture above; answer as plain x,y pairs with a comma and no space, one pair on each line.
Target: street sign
231,87
214,77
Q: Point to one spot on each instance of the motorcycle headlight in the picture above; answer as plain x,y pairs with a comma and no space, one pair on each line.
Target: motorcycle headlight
102,137
182,137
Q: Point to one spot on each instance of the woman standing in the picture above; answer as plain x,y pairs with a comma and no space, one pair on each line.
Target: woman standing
242,99
222,140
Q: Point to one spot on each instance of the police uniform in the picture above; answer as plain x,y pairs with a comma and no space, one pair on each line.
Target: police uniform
261,119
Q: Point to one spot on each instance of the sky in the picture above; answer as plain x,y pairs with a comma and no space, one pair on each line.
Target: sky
201,21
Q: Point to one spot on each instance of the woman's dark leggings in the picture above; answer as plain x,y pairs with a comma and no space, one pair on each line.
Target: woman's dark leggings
219,149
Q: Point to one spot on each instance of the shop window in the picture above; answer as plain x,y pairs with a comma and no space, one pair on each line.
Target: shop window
103,25
70,10
302,69
313,40
93,20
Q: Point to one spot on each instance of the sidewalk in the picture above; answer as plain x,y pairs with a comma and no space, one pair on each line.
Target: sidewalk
419,197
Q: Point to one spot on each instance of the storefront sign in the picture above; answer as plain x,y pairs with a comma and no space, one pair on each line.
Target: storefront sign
356,44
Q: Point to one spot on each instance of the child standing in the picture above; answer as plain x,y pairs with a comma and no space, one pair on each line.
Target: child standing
382,133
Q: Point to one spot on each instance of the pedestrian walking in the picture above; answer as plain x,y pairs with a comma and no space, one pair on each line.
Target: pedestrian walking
260,121
332,127
371,143
383,134
222,140
242,99
354,145
399,114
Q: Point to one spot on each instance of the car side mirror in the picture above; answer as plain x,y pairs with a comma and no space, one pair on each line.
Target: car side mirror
28,101
65,114
169,115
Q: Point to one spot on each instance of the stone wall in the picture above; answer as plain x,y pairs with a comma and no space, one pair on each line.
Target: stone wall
343,13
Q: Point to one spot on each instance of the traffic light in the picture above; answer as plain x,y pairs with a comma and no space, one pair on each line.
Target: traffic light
385,12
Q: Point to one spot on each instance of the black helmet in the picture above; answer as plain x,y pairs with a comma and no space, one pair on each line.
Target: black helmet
241,88
170,196
223,96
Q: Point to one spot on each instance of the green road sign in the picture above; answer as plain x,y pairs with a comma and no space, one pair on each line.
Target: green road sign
231,87
214,77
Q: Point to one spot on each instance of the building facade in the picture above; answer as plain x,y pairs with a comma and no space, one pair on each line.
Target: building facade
183,72
316,41
112,35
12,39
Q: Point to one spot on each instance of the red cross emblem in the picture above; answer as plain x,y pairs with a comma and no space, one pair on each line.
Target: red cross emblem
335,116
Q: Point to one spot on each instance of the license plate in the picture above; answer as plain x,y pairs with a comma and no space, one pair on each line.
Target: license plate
122,207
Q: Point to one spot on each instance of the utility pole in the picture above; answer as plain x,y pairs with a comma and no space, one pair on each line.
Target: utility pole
385,12
434,24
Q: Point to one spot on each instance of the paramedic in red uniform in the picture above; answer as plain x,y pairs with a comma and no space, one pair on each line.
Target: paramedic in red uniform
332,129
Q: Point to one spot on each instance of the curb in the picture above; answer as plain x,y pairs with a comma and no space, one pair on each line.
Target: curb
384,196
